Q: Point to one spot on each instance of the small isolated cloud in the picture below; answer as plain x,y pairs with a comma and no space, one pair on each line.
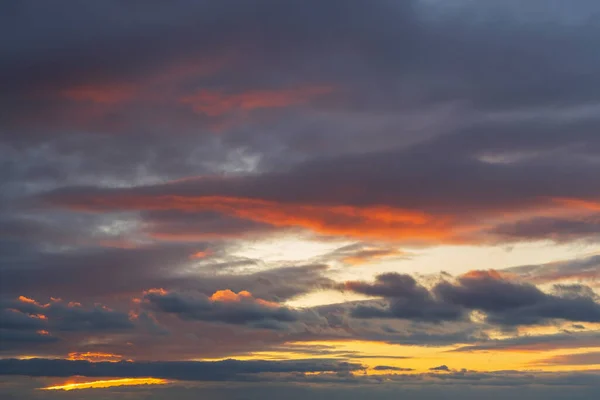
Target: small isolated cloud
440,368
390,368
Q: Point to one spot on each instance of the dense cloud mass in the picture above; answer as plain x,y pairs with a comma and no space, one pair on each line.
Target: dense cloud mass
504,302
201,371
407,193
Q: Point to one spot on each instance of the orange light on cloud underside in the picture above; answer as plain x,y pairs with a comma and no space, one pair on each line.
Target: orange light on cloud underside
159,291
215,103
483,274
376,222
95,356
589,205
108,383
367,256
200,254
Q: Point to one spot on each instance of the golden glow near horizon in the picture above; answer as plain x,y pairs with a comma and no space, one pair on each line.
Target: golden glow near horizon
107,383
421,359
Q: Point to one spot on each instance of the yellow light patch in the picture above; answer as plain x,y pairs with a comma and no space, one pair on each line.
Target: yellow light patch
108,383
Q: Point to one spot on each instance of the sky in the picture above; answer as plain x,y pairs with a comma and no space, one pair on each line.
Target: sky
332,199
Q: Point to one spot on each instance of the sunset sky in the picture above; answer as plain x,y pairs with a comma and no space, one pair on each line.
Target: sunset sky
300,199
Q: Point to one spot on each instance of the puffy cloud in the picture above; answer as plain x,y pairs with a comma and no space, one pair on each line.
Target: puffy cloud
72,316
504,302
511,303
223,306
406,299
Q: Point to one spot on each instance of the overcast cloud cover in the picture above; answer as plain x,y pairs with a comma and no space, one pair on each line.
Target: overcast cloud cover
330,198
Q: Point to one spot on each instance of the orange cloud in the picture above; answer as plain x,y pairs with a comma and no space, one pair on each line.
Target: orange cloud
200,254
159,291
230,296
27,300
43,332
375,222
588,205
215,103
24,299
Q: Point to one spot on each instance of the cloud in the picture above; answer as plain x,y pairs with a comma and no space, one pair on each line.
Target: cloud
590,358
535,343
198,128
371,222
407,300
556,229
26,324
23,313
363,253
223,306
177,370
510,303
215,103
363,196
579,269
440,368
504,302
99,272
393,369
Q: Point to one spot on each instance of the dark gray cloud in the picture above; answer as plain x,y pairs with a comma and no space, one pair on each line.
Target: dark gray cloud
439,183
26,324
27,314
580,269
440,368
385,59
556,229
179,370
538,342
413,122
104,271
393,369
464,385
242,309
407,300
504,302
591,358
510,303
